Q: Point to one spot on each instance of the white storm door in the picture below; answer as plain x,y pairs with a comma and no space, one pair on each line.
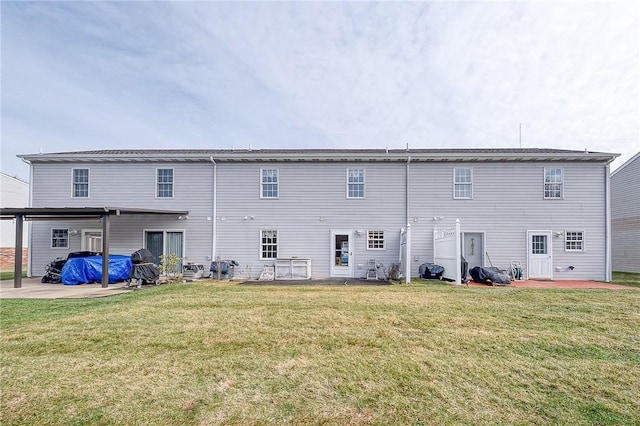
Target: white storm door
539,258
341,254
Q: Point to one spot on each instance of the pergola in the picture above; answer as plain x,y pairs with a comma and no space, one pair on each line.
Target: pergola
76,213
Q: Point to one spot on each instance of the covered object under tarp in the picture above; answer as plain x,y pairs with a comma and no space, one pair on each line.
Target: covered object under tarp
84,270
143,267
490,275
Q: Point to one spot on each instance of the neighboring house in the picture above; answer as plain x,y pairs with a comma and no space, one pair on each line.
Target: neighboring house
13,193
625,216
333,210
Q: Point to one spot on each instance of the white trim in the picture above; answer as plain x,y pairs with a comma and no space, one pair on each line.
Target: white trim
260,244
549,234
83,234
462,183
262,197
73,183
484,244
584,248
544,183
173,183
349,269
364,183
384,240
51,239
625,164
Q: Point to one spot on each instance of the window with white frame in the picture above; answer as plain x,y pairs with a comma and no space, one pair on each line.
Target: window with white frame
462,183
268,244
375,240
164,183
59,238
269,183
355,183
80,183
553,183
574,241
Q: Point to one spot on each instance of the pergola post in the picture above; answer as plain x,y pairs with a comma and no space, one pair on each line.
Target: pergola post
105,250
17,270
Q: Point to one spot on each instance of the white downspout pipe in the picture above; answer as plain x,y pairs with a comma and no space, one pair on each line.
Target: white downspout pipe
607,221
29,236
407,272
214,212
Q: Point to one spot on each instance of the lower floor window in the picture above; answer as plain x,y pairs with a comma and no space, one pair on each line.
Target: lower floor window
59,238
375,240
269,244
574,241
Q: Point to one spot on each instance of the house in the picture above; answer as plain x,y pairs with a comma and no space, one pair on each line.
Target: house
14,192
625,216
329,212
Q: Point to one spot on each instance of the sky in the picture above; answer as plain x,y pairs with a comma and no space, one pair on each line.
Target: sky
221,75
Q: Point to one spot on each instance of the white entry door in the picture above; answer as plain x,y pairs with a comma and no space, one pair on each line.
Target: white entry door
341,254
539,258
473,248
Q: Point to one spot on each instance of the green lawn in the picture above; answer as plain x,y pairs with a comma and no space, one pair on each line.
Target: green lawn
7,274
626,278
223,353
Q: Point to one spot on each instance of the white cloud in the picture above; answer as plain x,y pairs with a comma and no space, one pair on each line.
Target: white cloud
276,75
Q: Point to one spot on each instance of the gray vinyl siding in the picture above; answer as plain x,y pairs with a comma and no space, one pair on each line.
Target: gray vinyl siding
129,185
507,202
307,192
625,217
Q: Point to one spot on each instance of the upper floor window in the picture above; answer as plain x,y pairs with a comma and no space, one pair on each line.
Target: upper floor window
165,183
375,240
59,238
268,244
355,183
80,183
269,183
553,183
462,183
574,241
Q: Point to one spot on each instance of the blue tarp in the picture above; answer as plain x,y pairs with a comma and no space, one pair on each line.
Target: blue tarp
82,270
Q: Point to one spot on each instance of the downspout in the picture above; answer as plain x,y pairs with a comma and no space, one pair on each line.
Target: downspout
29,236
607,222
407,272
214,212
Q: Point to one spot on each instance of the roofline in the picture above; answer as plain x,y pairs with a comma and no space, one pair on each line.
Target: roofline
319,155
16,178
626,163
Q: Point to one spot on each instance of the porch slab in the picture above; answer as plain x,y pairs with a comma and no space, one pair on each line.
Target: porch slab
32,288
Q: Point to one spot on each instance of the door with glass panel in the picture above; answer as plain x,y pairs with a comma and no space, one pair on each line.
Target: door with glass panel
161,243
539,258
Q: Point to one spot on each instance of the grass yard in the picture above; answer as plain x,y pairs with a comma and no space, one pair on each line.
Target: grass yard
626,278
222,353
